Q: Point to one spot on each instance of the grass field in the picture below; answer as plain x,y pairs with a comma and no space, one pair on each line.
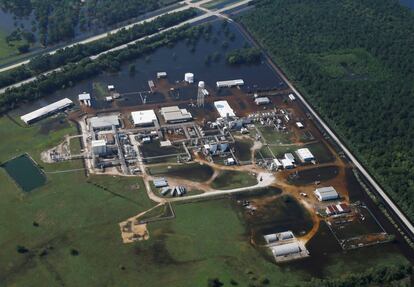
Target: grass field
67,233
274,137
233,179
75,146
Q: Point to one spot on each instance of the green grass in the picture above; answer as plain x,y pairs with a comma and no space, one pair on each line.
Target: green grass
278,151
352,64
321,152
233,179
206,240
213,248
101,90
75,146
274,137
21,138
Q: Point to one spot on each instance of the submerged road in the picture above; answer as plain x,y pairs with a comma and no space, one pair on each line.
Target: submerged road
401,216
207,14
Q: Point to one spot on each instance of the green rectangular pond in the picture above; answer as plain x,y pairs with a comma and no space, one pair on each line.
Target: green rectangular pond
25,172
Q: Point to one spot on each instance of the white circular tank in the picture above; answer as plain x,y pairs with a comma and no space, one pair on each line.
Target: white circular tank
201,84
189,78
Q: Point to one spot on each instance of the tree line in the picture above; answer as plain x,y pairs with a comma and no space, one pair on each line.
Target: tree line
86,68
354,61
399,275
244,56
75,53
60,20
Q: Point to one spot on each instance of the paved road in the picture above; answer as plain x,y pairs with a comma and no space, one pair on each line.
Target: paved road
100,36
206,15
409,226
267,179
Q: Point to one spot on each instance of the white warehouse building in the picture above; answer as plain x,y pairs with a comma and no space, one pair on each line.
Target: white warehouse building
229,84
46,110
144,118
286,249
326,193
104,122
305,155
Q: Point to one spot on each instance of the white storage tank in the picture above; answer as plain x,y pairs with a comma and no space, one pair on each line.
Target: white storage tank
189,78
201,84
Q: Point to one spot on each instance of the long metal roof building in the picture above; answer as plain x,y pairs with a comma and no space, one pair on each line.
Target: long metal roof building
286,249
46,110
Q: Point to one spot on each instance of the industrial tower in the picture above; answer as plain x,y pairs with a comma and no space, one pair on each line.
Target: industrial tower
201,94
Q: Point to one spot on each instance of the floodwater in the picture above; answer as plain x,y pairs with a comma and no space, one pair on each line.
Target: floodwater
9,23
25,173
315,174
408,3
176,61
273,214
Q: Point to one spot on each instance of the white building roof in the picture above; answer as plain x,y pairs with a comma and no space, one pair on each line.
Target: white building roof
290,157
277,162
299,125
286,163
175,114
231,83
305,154
98,143
46,110
84,96
104,122
326,193
224,109
286,249
161,74
262,101
292,97
143,117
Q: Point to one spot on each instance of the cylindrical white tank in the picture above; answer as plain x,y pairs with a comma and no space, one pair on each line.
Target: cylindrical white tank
201,84
189,78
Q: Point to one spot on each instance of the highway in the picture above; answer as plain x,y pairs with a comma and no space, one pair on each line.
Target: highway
401,216
207,14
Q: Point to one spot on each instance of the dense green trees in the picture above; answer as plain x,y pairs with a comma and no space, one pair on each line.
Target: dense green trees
58,20
243,56
74,54
380,276
354,61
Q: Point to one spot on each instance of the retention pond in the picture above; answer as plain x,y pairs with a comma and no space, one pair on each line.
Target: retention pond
25,172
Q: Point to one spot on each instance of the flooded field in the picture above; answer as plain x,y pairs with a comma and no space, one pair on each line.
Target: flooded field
25,173
309,176
270,214
176,61
242,149
195,172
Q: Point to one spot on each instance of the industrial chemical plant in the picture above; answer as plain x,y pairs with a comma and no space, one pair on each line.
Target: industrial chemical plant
202,128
